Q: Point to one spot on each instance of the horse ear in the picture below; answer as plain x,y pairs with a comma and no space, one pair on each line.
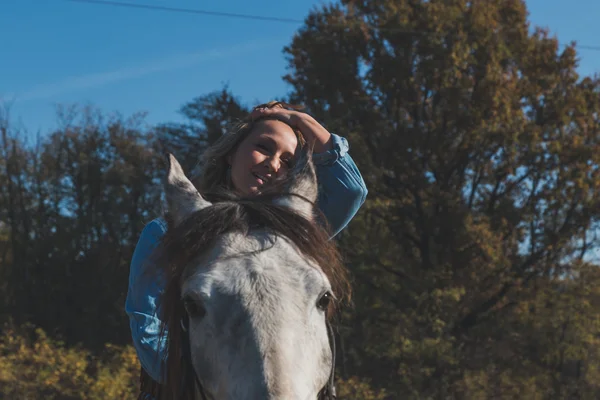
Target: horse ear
300,190
182,197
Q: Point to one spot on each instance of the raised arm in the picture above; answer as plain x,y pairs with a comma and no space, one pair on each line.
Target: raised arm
342,190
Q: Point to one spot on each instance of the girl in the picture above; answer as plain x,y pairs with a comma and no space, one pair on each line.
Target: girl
260,151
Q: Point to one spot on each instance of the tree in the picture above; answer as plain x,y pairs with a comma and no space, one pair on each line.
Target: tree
74,204
209,117
479,142
473,256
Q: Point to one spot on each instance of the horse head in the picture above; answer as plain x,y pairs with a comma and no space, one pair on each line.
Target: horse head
251,286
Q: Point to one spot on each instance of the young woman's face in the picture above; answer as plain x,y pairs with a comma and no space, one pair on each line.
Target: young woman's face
266,154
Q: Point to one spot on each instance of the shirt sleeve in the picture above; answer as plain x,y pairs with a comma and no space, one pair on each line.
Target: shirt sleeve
141,302
342,190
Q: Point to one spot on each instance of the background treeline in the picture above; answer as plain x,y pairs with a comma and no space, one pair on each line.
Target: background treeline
474,259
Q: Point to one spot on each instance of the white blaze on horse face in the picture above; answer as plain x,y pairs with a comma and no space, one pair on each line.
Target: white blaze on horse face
182,197
263,336
303,183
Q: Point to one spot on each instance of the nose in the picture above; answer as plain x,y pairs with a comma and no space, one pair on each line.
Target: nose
273,164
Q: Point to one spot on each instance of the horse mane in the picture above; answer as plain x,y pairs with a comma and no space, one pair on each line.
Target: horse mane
197,234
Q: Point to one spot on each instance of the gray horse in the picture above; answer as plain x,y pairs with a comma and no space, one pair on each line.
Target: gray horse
252,284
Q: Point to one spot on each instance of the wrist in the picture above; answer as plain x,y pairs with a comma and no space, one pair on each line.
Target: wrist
304,122
315,134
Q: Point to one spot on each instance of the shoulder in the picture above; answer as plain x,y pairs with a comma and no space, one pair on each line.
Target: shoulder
157,224
146,244
152,232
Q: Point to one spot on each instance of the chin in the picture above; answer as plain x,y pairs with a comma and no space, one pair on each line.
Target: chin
252,191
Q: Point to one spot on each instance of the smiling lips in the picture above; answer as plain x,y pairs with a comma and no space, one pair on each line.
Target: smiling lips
261,179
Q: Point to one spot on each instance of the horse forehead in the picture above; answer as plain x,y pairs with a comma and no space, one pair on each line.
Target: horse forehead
237,260
278,263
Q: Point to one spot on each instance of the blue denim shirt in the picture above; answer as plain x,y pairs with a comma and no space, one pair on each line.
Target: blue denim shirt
342,192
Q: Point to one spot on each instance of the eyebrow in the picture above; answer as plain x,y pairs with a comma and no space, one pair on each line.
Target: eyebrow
274,143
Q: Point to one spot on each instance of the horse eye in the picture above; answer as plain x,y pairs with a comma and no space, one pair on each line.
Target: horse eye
324,301
193,307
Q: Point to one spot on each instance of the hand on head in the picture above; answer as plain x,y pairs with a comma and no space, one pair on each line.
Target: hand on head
290,117
315,135
261,150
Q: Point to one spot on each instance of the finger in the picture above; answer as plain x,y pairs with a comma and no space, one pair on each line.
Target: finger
257,113
261,112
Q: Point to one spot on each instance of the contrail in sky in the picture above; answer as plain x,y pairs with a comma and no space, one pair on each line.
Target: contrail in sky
76,83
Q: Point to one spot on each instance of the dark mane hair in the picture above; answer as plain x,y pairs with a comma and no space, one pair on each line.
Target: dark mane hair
197,234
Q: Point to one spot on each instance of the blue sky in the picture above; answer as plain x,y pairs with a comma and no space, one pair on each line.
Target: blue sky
129,60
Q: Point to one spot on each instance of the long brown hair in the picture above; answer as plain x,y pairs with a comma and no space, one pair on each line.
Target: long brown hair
186,241
212,177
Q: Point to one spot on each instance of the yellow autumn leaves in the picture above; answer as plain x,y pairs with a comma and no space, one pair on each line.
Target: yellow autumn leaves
39,367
